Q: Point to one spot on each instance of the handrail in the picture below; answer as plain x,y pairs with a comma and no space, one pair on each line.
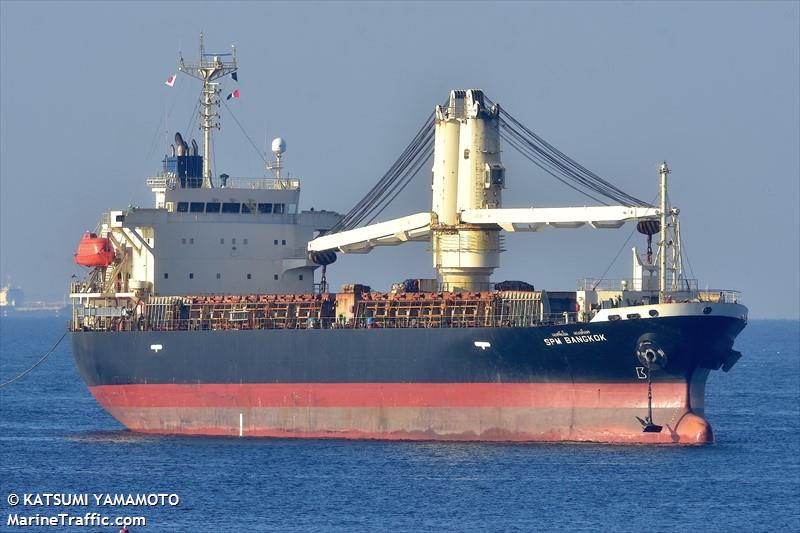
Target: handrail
231,182
141,323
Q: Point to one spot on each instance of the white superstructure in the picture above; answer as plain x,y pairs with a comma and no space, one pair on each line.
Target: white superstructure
206,234
231,240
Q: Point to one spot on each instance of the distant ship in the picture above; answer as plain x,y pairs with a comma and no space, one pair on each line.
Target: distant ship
11,297
202,316
13,303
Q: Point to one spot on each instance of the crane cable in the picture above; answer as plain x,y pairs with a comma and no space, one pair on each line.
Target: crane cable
394,180
556,160
37,363
533,147
379,191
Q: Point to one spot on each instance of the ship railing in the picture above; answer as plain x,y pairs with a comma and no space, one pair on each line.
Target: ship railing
230,182
602,284
235,182
245,321
686,291
718,296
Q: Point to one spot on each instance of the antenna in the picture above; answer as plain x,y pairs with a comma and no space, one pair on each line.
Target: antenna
278,148
663,170
209,68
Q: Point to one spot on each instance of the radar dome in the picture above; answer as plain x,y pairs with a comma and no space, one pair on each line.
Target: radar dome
278,146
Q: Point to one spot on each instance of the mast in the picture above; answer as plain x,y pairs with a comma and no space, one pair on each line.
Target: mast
663,170
209,68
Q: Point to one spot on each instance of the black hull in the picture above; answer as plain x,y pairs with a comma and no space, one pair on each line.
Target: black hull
572,382
515,355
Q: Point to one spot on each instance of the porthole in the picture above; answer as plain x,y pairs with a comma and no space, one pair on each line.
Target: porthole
653,313
633,316
613,317
706,310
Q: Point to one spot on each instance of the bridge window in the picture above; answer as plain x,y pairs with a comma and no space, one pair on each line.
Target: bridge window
279,209
166,275
244,241
183,241
218,275
191,241
191,275
196,207
265,208
222,241
212,207
247,208
276,242
231,207
301,277
249,276
183,207
275,277
283,242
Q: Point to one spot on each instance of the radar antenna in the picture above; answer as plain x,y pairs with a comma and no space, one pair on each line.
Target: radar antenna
209,68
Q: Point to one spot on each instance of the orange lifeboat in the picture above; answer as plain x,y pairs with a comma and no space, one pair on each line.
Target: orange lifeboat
94,251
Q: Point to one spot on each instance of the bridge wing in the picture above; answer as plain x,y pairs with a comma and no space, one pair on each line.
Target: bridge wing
536,218
390,233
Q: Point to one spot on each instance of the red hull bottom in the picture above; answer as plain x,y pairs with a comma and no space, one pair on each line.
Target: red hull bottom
451,412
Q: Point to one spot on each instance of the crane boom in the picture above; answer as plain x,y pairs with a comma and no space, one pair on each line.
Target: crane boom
536,218
418,227
390,233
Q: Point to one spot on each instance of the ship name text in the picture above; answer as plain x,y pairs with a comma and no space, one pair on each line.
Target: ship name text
575,339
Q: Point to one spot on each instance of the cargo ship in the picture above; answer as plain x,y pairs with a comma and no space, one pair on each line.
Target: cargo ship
210,313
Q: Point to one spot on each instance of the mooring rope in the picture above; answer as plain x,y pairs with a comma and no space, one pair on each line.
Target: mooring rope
37,363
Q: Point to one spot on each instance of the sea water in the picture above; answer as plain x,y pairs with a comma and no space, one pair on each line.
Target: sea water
54,439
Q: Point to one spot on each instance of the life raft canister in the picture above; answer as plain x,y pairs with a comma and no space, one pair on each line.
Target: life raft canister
94,251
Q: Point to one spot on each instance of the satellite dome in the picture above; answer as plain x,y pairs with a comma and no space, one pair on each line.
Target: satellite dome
278,146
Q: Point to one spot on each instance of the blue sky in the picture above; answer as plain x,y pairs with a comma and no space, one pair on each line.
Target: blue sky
711,87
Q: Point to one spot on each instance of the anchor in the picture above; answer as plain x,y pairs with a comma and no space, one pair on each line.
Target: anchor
647,423
652,357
